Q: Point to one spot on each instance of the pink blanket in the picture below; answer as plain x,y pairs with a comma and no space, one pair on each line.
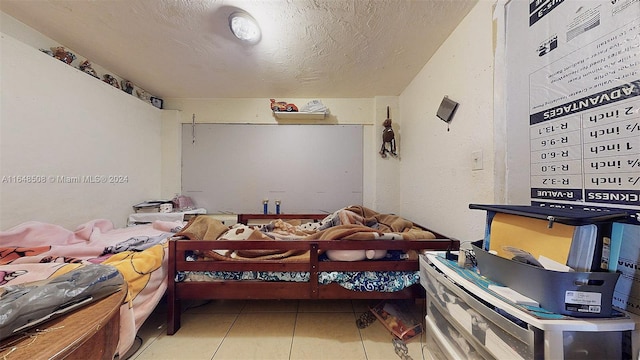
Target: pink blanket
35,251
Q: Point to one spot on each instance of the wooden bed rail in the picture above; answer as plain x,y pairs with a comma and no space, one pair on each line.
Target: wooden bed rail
246,218
236,289
179,248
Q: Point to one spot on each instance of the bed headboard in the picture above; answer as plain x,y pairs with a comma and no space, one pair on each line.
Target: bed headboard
252,219
259,219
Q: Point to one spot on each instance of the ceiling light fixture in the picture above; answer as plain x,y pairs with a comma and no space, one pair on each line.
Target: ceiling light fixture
244,27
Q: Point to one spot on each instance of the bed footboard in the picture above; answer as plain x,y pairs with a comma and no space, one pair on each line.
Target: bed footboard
235,289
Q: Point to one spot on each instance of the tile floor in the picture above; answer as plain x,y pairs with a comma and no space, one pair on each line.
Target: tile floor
285,329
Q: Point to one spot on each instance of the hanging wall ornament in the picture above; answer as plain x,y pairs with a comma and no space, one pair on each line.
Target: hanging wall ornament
388,138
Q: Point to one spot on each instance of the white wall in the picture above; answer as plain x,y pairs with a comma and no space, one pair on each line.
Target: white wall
60,124
359,111
385,183
431,181
437,182
171,156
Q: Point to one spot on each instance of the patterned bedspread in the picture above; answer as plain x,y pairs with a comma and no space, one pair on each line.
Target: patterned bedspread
350,223
36,251
382,281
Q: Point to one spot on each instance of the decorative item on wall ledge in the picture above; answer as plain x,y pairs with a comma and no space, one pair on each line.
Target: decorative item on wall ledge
48,52
63,55
282,106
313,110
85,67
157,102
143,95
388,138
127,86
60,53
110,80
314,106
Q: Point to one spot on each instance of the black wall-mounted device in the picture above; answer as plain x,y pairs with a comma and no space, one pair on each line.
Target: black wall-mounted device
447,109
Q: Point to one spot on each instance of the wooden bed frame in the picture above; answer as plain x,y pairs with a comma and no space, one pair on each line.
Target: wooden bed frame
235,289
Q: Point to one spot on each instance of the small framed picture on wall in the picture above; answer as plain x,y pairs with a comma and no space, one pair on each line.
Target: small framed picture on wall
157,102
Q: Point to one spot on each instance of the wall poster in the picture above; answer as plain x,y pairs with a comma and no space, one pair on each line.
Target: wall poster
582,90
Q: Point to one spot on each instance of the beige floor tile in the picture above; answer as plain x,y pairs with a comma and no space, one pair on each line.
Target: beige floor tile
270,306
326,336
325,306
198,338
272,329
265,335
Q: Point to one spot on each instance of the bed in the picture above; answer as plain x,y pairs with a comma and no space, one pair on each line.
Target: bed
36,251
298,256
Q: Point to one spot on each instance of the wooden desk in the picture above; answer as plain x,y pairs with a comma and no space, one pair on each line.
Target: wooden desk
91,332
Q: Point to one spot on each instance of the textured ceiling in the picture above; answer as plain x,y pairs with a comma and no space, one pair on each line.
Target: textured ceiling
309,48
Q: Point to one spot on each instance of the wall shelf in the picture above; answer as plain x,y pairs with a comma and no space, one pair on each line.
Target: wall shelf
299,115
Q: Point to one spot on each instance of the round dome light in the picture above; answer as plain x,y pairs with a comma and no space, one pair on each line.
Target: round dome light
244,27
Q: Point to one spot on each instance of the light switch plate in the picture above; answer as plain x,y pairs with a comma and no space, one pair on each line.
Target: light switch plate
476,160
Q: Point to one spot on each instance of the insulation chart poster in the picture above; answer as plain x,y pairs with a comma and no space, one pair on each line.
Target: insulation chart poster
583,76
